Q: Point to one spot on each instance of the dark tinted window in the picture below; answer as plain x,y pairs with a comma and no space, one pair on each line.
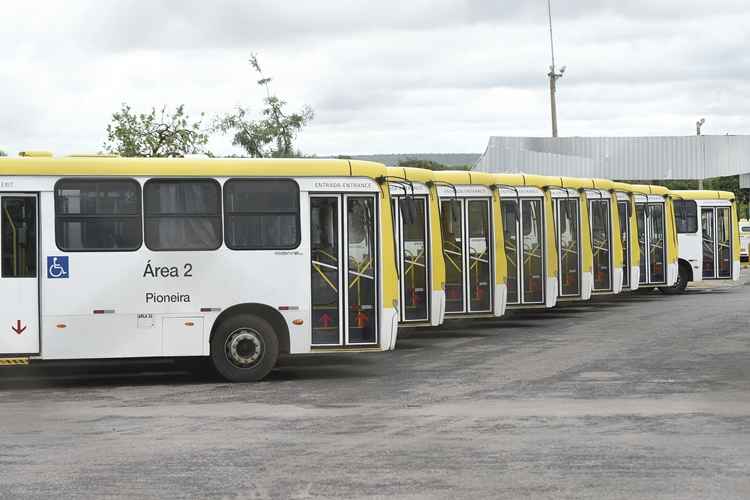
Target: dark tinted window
262,214
98,214
182,214
18,236
686,216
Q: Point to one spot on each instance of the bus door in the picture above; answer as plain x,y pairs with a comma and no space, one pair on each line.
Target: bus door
413,258
652,242
468,255
19,274
624,212
567,218
523,226
601,242
717,242
344,270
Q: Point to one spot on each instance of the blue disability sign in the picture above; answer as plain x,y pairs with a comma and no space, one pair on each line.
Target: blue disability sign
57,267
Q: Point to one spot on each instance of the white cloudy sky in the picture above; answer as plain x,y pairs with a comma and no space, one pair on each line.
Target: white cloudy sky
382,76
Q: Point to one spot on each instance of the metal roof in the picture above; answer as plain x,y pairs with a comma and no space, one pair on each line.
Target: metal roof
626,158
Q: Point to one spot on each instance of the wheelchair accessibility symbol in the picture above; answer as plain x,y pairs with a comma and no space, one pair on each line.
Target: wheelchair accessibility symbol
57,267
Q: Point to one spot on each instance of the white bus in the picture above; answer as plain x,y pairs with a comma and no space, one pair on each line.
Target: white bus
709,239
236,260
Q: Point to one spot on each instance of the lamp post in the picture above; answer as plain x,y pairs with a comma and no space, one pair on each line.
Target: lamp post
553,75
698,126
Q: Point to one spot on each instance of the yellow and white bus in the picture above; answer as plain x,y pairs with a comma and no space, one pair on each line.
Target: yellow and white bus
709,237
236,260
572,221
631,253
606,239
475,272
419,243
530,240
657,236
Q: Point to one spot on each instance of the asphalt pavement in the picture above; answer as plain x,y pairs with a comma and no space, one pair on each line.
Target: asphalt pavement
636,396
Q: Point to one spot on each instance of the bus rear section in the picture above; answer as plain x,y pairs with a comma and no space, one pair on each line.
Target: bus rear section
744,228
239,261
631,255
530,241
419,244
472,245
575,255
606,243
657,236
709,236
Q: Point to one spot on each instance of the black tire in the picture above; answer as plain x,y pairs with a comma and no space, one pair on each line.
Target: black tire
683,274
244,348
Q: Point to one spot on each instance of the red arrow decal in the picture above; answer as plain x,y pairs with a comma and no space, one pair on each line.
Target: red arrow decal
19,328
325,320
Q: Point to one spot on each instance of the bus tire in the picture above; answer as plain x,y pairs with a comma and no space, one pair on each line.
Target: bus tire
680,285
244,348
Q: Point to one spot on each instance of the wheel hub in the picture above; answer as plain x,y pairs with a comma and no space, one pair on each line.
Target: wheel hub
244,347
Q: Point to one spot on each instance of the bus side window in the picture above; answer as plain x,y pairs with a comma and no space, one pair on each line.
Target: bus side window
262,214
182,214
98,215
686,216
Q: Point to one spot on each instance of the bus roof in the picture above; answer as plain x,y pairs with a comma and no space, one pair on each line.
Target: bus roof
188,167
698,194
464,177
422,175
650,189
530,180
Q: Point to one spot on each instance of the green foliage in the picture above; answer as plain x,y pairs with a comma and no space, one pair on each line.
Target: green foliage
430,165
154,134
3,153
728,183
274,133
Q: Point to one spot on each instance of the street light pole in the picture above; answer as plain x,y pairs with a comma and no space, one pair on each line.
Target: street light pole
698,126
553,75
552,91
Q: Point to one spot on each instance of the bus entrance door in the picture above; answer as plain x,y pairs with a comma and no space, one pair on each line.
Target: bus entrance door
19,274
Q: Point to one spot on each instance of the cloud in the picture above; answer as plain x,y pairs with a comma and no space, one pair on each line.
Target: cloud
437,75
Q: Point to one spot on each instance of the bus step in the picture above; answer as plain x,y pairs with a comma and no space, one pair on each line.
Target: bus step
13,361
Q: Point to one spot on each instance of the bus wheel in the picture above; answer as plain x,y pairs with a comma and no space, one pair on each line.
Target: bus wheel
680,284
244,348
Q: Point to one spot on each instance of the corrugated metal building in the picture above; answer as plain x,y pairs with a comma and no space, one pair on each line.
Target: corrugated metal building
624,158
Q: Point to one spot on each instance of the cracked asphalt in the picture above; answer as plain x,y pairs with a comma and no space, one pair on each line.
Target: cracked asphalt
636,396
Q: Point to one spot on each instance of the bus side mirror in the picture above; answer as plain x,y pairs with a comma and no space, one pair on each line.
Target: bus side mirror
451,211
568,211
512,209
409,210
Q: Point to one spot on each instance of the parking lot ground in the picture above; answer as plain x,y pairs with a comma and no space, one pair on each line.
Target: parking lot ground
636,396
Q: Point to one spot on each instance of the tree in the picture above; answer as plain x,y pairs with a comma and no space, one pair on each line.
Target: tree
3,153
274,133
155,134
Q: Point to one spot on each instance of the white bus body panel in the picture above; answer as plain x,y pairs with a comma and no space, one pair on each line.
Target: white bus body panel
617,280
690,250
19,315
635,277
691,245
437,313
19,307
111,306
587,285
501,299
